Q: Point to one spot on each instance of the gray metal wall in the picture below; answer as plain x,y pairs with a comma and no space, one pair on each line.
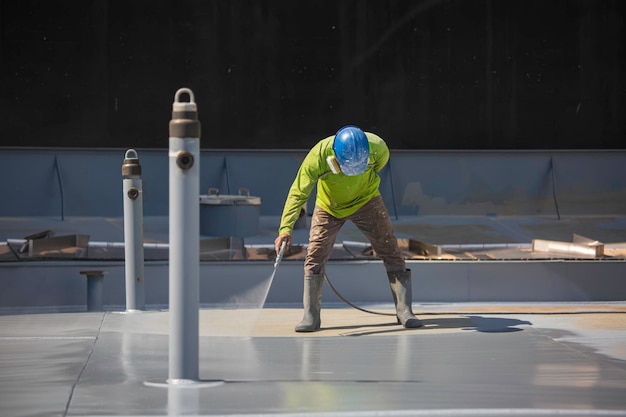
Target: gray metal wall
86,182
58,286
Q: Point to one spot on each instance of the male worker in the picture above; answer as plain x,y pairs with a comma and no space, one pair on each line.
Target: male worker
345,168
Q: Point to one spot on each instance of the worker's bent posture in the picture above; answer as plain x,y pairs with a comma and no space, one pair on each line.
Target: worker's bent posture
345,168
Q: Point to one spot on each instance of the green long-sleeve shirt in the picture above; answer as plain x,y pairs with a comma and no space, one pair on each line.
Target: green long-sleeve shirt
338,194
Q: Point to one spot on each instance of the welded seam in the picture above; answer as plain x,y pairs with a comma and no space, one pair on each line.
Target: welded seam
554,192
516,312
80,374
19,338
444,412
60,181
470,412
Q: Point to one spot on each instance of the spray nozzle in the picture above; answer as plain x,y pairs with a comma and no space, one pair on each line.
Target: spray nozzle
279,257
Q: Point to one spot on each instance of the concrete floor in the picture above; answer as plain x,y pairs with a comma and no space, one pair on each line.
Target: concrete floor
469,360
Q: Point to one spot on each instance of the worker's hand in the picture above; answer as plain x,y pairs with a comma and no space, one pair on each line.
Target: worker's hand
279,241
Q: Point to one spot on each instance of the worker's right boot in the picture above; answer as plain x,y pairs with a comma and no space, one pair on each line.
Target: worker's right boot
312,300
400,282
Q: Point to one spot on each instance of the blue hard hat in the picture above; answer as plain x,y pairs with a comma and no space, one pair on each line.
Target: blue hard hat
352,150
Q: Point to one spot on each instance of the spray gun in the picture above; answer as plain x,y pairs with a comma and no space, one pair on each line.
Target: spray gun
279,257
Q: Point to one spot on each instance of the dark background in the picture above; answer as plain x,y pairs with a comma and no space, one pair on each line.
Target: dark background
427,74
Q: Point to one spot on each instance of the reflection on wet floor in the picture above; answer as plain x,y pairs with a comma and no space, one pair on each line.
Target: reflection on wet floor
548,359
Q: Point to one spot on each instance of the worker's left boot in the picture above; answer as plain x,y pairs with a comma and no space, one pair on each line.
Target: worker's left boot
312,301
400,282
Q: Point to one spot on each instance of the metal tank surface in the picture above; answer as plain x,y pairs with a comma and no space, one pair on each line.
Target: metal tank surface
478,360
229,215
520,316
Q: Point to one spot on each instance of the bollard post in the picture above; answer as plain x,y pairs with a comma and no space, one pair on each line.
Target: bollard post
184,235
95,288
133,231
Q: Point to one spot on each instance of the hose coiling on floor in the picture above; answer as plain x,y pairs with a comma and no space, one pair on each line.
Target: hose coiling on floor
353,305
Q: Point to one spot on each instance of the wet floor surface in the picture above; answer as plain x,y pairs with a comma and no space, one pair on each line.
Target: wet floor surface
468,359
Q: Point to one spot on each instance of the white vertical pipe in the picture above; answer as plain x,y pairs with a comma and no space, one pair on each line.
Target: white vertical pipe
184,234
133,232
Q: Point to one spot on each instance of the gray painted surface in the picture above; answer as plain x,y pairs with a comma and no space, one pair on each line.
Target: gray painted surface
78,182
462,363
58,286
442,198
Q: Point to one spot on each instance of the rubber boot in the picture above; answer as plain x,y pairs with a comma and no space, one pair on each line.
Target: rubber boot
312,300
400,282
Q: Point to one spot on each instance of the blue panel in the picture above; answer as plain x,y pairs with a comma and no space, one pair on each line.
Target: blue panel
89,182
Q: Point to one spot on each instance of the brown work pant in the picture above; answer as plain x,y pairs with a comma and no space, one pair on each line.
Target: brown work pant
372,220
